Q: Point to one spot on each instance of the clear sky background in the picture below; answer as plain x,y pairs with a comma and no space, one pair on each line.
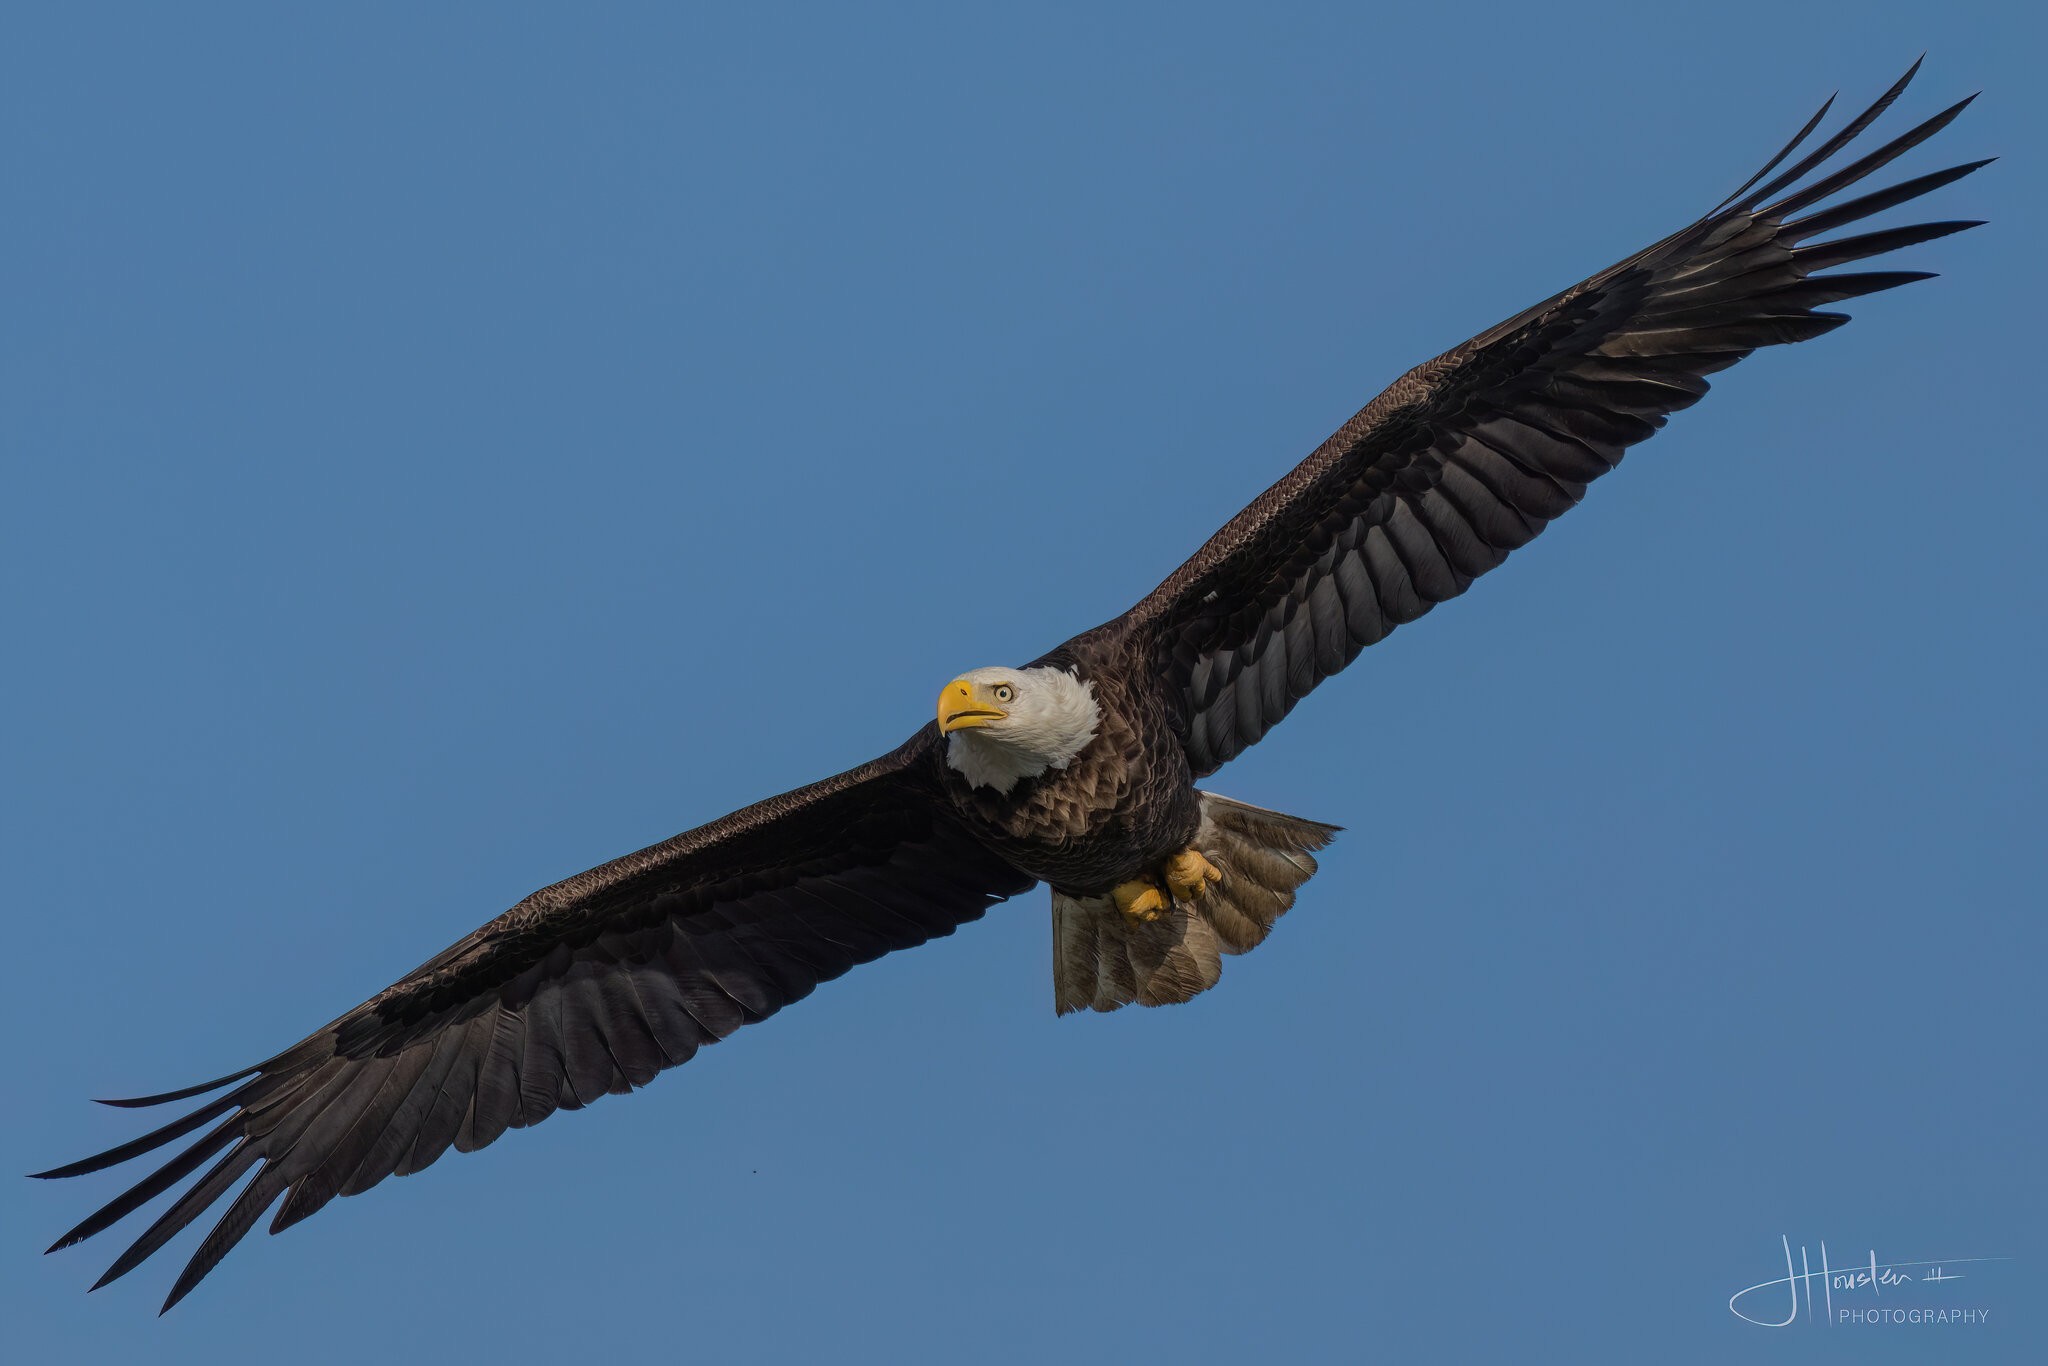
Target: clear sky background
446,450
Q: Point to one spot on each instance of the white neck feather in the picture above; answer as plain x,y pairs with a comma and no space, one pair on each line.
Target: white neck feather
1053,719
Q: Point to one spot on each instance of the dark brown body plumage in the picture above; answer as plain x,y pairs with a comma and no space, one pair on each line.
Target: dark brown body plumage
1122,806
598,983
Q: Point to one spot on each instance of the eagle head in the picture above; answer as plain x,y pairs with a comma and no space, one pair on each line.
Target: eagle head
1005,725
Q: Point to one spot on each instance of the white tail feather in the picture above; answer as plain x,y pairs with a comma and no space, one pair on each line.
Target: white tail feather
1102,959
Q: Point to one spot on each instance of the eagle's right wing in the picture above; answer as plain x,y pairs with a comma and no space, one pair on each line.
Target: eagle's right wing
590,986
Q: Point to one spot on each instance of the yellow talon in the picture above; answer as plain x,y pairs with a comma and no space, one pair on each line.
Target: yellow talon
1140,899
1189,874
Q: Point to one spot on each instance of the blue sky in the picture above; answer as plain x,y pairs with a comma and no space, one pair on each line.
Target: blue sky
448,450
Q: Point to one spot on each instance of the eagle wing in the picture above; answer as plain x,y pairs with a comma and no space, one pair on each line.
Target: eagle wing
1470,455
587,987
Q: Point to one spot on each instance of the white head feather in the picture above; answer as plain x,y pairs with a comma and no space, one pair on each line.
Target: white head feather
1051,718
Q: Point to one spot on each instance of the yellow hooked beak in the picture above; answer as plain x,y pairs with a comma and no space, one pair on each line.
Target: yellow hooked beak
965,706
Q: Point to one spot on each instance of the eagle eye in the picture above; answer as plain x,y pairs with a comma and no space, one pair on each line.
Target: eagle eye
1004,692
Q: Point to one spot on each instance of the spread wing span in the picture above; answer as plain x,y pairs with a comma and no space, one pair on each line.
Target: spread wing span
586,987
1470,455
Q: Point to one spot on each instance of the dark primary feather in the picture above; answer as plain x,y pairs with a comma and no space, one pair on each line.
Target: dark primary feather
1470,455
586,988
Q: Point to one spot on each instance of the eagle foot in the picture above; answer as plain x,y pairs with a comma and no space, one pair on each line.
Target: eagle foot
1188,874
1140,899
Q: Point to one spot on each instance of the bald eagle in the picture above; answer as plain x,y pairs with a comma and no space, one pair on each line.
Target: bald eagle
1078,770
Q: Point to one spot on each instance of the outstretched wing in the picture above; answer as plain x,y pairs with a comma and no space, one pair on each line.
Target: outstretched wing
1470,455
590,986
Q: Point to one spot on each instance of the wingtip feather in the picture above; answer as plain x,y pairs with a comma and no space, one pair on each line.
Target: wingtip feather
143,1102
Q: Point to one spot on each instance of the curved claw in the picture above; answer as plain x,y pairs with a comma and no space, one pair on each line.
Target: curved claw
1140,899
1188,874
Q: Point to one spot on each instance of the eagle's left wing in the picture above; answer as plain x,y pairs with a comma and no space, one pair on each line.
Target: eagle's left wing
1470,455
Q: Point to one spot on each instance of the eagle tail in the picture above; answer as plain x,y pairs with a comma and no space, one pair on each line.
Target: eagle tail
1103,959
